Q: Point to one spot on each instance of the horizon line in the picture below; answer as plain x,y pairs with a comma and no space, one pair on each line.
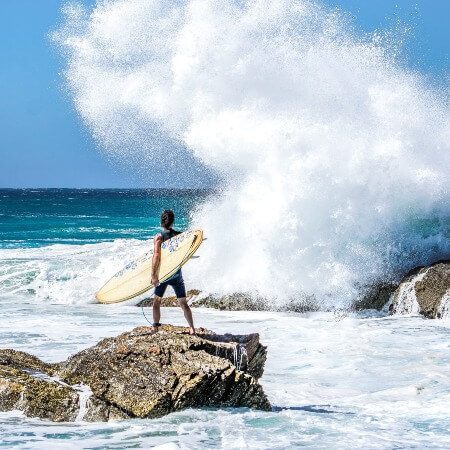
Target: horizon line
110,188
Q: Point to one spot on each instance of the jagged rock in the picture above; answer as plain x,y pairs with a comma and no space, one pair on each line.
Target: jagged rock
233,302
374,296
307,304
424,290
26,384
245,302
137,374
167,301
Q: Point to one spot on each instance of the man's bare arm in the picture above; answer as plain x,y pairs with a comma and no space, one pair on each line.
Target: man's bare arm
157,241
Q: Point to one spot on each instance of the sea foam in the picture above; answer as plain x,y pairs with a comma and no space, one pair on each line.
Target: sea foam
64,274
333,157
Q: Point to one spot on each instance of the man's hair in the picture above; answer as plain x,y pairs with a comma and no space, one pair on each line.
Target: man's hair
167,218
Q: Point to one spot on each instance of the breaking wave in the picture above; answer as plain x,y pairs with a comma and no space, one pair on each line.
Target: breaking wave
333,157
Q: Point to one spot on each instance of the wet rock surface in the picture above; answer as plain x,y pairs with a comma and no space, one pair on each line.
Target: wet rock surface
137,374
27,384
424,290
375,296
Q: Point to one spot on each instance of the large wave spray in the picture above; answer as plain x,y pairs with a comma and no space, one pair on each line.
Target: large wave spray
335,159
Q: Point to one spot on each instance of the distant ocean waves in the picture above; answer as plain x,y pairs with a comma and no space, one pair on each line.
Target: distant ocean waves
61,245
42,217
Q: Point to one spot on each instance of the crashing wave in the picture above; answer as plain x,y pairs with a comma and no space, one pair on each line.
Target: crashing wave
334,158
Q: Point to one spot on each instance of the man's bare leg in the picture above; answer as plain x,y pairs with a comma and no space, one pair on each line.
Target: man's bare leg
187,313
156,310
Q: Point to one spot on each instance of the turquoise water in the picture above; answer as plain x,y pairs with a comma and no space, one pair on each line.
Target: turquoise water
39,217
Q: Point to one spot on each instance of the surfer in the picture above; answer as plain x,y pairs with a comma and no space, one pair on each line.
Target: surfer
176,281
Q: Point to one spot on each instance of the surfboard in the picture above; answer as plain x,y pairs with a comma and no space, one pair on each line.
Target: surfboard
135,278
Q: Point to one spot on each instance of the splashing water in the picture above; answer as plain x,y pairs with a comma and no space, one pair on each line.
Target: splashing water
407,299
333,157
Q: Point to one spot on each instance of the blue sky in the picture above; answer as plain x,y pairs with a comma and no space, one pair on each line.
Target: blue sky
42,140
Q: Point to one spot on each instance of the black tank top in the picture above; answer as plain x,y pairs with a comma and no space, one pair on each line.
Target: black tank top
167,234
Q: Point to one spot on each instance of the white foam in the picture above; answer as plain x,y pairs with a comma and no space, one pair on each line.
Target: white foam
443,311
380,382
84,394
330,150
84,391
64,273
406,302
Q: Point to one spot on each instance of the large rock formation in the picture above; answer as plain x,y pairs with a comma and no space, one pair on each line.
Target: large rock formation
137,374
425,290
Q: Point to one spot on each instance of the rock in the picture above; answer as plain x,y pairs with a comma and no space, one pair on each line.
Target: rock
374,296
26,384
167,301
232,302
138,374
245,302
307,304
424,290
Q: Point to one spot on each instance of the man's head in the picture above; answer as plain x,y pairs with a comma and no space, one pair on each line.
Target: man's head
167,219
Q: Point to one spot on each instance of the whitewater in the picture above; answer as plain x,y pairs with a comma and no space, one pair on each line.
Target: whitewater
329,159
362,381
332,156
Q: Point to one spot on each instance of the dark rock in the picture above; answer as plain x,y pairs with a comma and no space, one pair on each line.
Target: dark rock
431,289
424,290
138,374
374,296
245,302
306,304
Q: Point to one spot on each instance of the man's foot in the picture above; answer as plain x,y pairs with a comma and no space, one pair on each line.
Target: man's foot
155,327
192,331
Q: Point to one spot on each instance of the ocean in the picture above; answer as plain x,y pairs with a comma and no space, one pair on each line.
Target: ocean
42,217
330,160
335,379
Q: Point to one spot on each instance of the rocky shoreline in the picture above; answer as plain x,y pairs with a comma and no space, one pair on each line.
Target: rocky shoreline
424,290
138,374
142,374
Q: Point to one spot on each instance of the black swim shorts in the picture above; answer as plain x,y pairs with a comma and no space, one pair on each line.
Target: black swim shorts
176,282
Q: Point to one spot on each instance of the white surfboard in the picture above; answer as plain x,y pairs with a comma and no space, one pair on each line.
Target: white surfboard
135,278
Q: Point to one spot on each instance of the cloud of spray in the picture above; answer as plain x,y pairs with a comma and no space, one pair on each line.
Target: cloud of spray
335,159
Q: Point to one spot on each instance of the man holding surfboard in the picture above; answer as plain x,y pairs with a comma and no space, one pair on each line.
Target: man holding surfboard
176,281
